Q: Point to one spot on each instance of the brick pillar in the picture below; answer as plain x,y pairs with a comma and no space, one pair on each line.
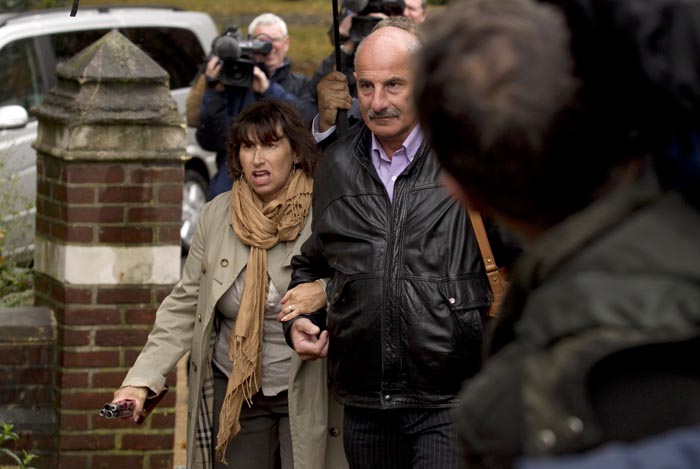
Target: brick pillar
110,154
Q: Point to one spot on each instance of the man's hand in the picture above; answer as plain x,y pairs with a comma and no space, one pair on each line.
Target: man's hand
306,298
333,94
306,340
138,395
213,69
260,81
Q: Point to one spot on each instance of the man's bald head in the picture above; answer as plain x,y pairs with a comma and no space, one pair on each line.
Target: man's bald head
384,75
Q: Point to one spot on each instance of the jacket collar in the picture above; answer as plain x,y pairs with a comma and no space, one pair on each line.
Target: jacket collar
282,72
564,240
558,245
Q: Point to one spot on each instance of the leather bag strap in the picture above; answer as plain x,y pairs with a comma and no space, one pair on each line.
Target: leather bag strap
498,287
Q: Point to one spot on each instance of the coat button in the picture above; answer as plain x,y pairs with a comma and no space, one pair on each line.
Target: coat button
204,269
452,301
546,439
199,317
224,262
573,427
387,397
334,431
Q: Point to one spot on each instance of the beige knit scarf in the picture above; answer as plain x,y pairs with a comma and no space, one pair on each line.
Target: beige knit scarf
260,226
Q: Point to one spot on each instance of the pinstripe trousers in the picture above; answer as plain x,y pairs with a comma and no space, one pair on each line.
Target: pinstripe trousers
400,438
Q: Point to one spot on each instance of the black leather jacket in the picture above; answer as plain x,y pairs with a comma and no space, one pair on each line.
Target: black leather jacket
407,290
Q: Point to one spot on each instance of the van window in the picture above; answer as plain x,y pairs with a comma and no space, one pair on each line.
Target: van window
20,74
176,50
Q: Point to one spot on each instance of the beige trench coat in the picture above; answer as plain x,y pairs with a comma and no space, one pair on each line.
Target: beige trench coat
184,320
315,417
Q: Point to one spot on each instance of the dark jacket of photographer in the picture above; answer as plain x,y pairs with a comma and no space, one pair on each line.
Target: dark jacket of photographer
219,109
407,288
310,96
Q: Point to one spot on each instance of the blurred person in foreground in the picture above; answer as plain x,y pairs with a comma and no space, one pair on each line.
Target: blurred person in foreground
223,98
224,310
603,310
408,294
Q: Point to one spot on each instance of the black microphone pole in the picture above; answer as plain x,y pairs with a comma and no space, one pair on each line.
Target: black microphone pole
341,119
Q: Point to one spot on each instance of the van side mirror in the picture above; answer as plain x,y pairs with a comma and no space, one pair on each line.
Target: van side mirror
13,117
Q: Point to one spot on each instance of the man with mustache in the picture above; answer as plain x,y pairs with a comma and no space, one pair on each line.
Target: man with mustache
407,293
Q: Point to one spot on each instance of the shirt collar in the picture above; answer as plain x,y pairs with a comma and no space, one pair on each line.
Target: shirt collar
411,145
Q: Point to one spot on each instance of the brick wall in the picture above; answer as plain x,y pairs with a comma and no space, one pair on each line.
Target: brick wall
27,342
109,202
102,202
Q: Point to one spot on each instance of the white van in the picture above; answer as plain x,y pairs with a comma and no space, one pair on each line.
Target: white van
33,43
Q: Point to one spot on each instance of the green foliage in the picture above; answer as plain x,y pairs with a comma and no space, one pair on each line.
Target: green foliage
16,285
16,280
7,436
307,20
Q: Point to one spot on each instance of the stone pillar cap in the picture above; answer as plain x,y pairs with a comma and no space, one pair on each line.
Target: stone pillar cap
109,90
112,58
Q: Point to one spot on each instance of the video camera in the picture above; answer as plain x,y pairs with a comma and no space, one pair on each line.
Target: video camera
363,22
236,54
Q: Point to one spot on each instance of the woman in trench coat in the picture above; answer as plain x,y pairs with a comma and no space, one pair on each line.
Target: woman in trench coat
224,310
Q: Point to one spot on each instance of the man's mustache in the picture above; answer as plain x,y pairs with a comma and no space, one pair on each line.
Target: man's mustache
384,113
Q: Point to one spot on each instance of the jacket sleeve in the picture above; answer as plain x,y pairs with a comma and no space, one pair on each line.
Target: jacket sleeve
214,121
172,333
193,104
310,264
302,87
309,97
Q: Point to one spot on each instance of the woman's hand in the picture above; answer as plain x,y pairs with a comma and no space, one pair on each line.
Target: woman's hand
306,298
138,395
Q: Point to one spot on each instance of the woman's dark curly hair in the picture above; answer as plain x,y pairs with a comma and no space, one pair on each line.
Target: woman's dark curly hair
260,123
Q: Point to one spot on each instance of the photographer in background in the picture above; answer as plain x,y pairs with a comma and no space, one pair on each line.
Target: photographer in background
241,72
417,10
359,17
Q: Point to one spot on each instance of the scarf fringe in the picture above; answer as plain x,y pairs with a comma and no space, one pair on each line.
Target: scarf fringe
231,411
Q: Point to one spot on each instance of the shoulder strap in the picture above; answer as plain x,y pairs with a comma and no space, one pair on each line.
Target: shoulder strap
498,287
